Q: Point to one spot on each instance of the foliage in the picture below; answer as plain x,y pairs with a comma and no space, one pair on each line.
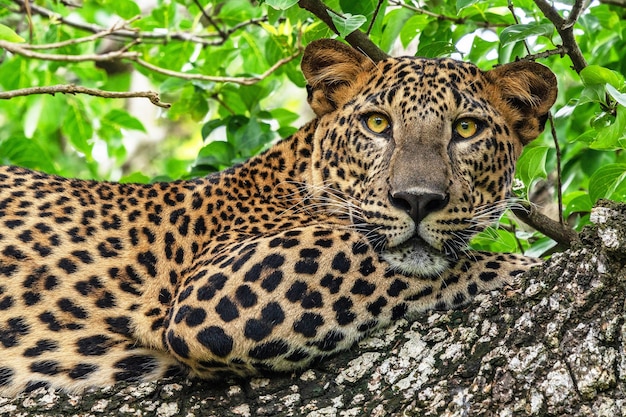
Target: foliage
247,101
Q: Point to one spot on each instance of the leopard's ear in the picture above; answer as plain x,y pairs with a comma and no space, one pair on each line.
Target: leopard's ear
332,70
530,90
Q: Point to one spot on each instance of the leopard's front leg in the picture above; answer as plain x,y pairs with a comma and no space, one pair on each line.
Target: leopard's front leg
278,302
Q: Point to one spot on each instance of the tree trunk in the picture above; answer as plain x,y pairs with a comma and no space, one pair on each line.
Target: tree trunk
554,346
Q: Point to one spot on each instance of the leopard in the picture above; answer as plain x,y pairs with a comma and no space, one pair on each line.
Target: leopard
359,219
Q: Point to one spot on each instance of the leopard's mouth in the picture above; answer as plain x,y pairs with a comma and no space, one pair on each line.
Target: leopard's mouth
416,257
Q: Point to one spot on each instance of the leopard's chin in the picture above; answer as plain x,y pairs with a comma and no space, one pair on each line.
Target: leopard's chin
417,258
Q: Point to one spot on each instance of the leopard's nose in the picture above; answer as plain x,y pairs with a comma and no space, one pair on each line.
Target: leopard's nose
419,204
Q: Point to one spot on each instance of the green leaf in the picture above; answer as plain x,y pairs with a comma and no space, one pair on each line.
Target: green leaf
77,126
44,115
192,103
9,35
480,50
608,137
412,28
26,153
520,32
436,49
577,202
393,24
255,57
232,96
617,96
495,240
120,119
284,116
248,135
532,164
540,247
31,117
607,18
123,8
222,151
347,23
211,125
596,75
361,7
15,73
593,93
606,180
135,178
461,4
280,4
216,155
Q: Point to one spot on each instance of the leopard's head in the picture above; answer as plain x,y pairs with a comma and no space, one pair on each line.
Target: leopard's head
421,151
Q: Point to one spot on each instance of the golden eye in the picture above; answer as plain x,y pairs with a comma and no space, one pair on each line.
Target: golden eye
466,127
377,122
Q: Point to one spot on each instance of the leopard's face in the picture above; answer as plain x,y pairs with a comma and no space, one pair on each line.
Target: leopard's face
425,163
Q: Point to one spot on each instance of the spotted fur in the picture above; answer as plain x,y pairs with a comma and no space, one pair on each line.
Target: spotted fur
294,255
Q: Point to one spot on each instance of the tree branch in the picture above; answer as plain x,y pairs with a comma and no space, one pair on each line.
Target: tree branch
561,233
565,28
356,39
74,41
559,50
620,3
454,19
236,80
577,9
153,96
204,39
133,56
109,56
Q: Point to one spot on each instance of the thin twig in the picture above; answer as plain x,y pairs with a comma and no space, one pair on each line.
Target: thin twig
77,89
75,41
133,56
109,56
577,9
356,39
453,19
620,3
210,20
559,180
512,10
207,39
236,80
70,4
222,103
29,17
512,229
559,50
374,16
565,28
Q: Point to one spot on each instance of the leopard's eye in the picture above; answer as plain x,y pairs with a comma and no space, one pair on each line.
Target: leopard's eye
377,123
466,127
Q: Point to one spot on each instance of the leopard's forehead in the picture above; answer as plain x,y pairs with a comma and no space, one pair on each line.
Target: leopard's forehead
417,86
432,72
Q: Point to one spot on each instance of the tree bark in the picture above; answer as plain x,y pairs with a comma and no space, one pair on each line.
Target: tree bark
553,346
